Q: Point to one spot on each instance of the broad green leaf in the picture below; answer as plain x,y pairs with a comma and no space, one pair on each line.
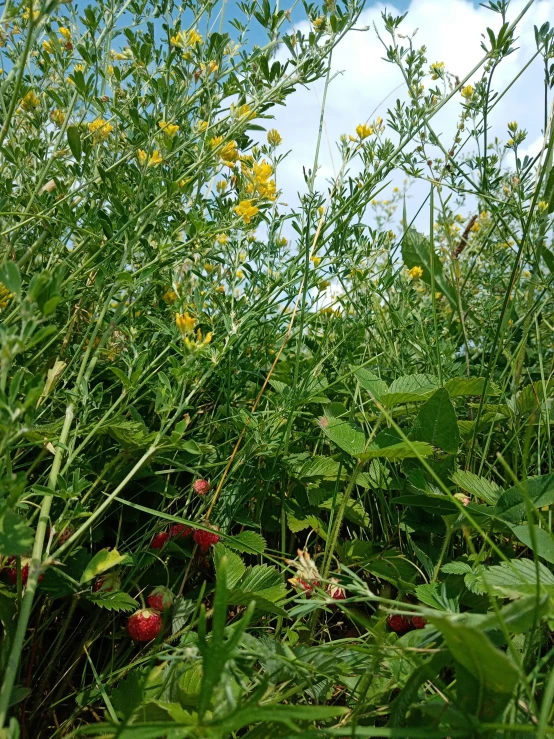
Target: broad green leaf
313,466
544,541
416,252
436,423
74,141
464,386
479,486
354,510
518,616
371,382
247,541
402,450
408,389
469,646
114,600
235,566
519,577
127,695
16,538
104,560
348,438
511,506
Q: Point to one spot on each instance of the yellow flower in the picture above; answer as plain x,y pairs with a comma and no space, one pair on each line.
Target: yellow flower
274,137
57,117
202,125
209,268
194,37
5,296
100,130
242,256
47,46
155,159
169,129
65,32
542,205
222,239
246,210
316,261
221,186
363,131
467,92
170,296
186,38
243,111
119,56
185,323
319,23
31,101
79,68
229,154
142,157
209,68
323,284
240,274
436,70
475,227
282,241
26,15
512,126
181,183
110,69
415,273
215,141
193,344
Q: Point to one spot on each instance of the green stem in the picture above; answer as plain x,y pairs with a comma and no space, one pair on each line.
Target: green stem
34,572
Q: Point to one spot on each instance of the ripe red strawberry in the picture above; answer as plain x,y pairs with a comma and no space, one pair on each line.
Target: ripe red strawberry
308,586
179,531
159,540
201,487
205,539
160,599
399,624
144,625
12,571
418,622
107,583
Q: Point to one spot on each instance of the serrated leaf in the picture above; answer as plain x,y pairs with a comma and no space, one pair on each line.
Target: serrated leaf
410,388
314,466
354,511
456,568
519,577
436,423
371,382
459,387
101,562
16,538
114,600
247,541
479,486
182,610
511,506
401,450
342,433
127,695
235,568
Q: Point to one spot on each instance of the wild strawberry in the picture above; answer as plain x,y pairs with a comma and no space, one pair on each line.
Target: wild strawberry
144,625
418,622
159,540
399,624
12,571
201,487
179,531
334,590
107,583
160,599
61,534
205,539
308,586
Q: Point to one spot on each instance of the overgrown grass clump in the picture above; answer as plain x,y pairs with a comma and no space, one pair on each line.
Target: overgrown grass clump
268,470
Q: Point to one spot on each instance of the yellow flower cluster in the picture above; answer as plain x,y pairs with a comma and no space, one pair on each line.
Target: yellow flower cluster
363,131
243,111
5,296
57,117
194,344
259,175
229,153
169,129
467,92
415,273
100,130
31,101
65,32
437,70
151,161
246,210
274,137
184,39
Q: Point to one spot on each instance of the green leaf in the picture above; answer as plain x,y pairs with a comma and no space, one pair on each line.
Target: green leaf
101,562
348,438
436,423
10,277
402,450
544,541
313,466
416,252
16,538
469,646
479,486
127,695
519,577
247,541
354,510
463,386
511,506
371,382
74,141
409,389
235,566
114,600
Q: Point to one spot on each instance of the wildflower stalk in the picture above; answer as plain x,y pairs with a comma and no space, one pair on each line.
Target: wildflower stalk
34,573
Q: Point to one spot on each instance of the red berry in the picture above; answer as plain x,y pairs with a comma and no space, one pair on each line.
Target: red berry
205,539
159,540
108,583
179,531
160,599
201,487
398,623
12,571
418,622
144,625
307,586
335,591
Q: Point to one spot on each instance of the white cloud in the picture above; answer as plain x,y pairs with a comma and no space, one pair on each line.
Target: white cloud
365,84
